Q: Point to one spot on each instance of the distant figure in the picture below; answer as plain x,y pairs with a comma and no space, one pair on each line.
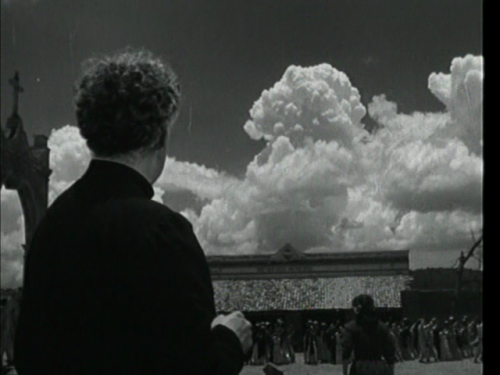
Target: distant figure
287,344
444,344
423,345
277,335
338,346
405,337
9,318
466,342
116,283
435,338
330,335
429,336
310,344
452,339
394,331
368,340
472,334
478,343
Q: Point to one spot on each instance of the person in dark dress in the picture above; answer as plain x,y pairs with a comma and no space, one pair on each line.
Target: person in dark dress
116,283
405,339
436,339
330,340
367,341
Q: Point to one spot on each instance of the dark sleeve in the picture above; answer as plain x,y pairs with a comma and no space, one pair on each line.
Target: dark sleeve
180,305
227,354
389,346
346,343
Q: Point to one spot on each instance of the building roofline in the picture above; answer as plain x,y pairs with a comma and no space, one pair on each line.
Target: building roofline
307,257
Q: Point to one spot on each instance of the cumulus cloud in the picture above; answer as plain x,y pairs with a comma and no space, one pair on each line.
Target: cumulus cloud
205,183
431,162
69,158
21,2
321,182
462,93
296,188
12,257
381,109
12,235
317,103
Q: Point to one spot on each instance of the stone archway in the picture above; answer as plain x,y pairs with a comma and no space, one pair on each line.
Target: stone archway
25,168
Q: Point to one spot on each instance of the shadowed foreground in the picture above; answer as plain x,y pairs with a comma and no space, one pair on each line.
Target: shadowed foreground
464,367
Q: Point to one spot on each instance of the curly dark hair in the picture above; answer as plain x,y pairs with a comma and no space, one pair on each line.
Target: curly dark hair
126,102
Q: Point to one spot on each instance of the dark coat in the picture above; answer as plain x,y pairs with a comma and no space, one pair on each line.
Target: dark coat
116,283
369,343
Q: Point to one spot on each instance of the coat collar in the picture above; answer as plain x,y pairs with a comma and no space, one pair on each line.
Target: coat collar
120,176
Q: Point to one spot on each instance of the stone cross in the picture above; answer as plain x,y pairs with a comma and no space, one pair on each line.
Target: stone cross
25,168
14,82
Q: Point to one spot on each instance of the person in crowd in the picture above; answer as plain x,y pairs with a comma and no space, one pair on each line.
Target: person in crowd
287,344
429,334
9,318
317,341
459,338
394,331
3,302
467,348
405,339
478,342
411,339
444,343
277,358
422,342
4,331
268,342
330,339
367,344
472,334
435,337
400,342
305,342
452,339
116,283
321,343
257,338
265,343
311,348
338,346
414,332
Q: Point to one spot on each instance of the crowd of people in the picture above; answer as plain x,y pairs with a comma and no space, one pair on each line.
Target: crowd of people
431,340
322,343
425,340
272,343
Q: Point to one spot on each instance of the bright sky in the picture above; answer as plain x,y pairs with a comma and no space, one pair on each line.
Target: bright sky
254,169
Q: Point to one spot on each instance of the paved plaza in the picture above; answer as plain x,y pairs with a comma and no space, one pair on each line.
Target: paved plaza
464,367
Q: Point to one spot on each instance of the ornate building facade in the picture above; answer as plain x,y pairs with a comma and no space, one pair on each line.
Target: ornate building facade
292,280
25,167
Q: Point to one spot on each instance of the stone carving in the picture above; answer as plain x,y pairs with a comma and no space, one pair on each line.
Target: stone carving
25,168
